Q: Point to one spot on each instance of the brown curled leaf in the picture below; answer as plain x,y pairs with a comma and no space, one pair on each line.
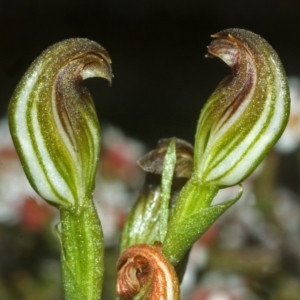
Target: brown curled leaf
145,273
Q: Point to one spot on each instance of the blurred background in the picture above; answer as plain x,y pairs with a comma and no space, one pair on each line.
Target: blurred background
161,81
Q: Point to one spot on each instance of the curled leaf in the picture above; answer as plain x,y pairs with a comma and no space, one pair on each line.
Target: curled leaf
145,273
246,114
53,121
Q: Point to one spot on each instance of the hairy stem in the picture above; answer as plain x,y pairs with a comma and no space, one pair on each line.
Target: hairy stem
82,253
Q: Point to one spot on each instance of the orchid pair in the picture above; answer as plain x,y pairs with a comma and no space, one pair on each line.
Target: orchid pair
55,130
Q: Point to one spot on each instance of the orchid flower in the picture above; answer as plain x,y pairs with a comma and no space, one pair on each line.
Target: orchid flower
238,125
56,133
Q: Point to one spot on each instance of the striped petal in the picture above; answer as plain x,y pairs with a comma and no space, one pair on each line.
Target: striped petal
246,114
54,124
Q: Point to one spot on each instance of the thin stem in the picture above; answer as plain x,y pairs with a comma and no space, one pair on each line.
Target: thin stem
82,253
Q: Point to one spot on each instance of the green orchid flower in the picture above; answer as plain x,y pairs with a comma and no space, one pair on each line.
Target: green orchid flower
56,133
238,125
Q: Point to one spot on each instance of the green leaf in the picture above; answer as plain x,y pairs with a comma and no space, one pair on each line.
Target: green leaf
183,233
166,184
166,174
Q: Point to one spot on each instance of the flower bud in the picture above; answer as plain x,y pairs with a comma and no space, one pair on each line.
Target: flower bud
246,114
145,220
145,273
53,121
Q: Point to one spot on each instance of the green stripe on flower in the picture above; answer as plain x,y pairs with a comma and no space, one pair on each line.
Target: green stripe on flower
246,114
238,125
53,120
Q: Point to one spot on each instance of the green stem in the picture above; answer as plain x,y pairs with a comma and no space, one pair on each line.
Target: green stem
82,253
